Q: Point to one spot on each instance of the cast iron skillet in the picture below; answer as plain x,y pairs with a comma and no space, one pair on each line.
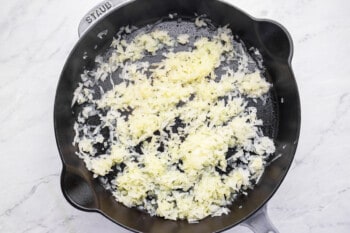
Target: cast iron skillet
275,45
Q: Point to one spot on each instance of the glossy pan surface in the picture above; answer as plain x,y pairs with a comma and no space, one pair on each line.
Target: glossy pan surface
281,115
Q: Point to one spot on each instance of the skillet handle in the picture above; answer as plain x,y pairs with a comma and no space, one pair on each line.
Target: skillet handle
260,222
96,13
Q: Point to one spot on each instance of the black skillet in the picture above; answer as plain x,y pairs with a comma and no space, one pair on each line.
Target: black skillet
282,114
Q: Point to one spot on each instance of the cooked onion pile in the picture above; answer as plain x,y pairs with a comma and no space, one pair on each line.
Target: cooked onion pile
174,137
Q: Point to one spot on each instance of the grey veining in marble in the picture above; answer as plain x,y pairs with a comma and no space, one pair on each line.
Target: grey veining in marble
35,40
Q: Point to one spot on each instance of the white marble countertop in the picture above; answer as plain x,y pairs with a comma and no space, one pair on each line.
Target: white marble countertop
35,40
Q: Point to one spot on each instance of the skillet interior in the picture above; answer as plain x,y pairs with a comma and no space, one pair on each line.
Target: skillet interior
281,120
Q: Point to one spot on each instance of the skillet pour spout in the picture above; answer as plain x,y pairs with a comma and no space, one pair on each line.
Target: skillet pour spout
276,47
275,39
